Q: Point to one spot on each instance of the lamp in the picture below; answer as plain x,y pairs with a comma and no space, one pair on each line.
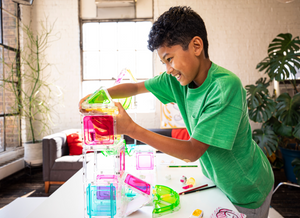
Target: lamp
23,2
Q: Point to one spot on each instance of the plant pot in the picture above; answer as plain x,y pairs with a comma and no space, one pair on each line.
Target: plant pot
288,156
33,153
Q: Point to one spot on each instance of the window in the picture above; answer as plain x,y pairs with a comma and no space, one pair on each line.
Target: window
9,115
108,48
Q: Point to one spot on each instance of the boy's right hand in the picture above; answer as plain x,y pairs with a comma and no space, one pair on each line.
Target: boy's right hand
80,102
125,125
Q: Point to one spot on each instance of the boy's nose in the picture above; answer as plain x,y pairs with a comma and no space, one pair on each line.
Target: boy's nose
169,69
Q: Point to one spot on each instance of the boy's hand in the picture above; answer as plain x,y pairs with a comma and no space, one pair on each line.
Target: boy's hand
82,100
125,125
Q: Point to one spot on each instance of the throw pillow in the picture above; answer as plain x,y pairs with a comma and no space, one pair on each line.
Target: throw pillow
74,143
181,134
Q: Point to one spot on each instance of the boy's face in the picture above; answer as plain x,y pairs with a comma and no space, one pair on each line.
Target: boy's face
182,64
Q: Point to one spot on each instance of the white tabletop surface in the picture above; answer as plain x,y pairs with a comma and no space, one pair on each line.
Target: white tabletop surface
21,207
68,200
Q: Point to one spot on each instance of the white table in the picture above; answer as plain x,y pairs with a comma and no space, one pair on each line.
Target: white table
68,200
21,207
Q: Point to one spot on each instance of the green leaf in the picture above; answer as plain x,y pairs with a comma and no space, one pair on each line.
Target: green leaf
288,109
284,130
261,106
296,132
263,112
266,140
282,57
296,165
279,128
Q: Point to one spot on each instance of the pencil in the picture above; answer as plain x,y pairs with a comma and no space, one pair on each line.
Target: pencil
202,186
184,166
197,190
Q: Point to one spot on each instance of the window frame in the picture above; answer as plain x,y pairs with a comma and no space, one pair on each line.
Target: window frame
16,82
82,22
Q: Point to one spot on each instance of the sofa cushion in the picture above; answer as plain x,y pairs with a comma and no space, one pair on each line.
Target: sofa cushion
70,162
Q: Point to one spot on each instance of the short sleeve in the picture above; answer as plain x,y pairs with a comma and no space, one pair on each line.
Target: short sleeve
161,87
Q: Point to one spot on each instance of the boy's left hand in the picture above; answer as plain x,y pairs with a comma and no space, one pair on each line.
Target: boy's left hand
125,125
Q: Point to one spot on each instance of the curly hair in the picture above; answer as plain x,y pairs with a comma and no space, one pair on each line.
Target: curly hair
177,26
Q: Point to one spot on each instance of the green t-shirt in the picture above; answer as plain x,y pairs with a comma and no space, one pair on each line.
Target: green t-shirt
216,114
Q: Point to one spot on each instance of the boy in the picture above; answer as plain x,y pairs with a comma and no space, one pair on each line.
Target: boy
212,102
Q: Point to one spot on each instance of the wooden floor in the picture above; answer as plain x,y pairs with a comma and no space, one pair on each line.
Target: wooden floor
285,201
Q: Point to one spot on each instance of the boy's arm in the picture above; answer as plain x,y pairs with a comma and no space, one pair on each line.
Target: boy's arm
127,89
188,151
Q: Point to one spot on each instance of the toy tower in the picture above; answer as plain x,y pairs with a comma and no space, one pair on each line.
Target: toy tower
108,192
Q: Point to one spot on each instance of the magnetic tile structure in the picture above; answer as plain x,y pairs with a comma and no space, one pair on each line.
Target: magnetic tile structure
109,192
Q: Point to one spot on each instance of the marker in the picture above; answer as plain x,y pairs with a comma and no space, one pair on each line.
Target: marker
183,166
197,190
187,186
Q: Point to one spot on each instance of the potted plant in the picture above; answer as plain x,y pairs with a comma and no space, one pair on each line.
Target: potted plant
35,95
280,116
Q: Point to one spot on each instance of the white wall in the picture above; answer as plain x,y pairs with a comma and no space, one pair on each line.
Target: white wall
239,32
64,54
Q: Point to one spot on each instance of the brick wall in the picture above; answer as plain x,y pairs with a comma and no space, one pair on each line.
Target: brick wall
238,32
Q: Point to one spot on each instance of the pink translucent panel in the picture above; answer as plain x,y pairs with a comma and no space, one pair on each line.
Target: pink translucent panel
138,184
110,178
145,161
98,130
107,179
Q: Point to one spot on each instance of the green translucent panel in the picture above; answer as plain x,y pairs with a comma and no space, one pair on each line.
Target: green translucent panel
125,102
162,190
166,201
99,97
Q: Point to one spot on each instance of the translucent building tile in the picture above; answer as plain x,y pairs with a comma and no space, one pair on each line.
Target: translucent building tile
101,102
145,161
142,190
165,200
137,184
101,200
98,130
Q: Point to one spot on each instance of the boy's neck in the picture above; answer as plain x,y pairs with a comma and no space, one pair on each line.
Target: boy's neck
205,65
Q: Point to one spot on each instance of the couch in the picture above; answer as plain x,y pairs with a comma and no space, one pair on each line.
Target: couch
59,166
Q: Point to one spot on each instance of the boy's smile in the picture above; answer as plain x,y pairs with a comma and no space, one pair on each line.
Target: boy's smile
184,65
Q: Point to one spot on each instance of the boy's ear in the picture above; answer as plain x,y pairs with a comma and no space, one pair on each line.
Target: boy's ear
197,45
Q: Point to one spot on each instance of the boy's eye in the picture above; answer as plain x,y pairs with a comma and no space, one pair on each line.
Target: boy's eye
169,59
